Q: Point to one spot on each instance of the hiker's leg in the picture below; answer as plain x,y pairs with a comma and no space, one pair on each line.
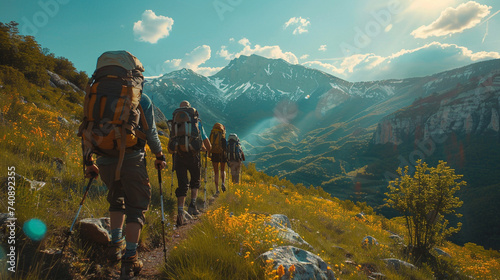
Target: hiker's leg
236,174
132,232
195,172
137,191
223,174
116,201
117,218
234,168
216,175
182,179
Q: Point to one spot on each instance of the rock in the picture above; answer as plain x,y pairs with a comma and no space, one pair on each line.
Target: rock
62,120
282,223
59,163
377,276
369,240
307,265
396,238
95,230
34,185
440,252
59,82
361,216
3,218
398,264
280,220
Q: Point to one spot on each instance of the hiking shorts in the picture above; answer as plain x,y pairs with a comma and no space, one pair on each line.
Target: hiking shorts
184,162
132,193
219,157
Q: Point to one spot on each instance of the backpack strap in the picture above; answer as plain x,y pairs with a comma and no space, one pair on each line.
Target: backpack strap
123,134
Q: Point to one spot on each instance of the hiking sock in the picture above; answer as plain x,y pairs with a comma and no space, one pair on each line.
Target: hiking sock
130,249
116,234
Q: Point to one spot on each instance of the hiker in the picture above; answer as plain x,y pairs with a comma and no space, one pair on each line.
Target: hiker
218,155
123,170
187,139
235,156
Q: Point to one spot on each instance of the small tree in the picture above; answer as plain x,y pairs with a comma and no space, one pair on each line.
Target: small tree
424,199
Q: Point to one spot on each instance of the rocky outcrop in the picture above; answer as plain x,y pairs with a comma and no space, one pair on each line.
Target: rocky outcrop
95,230
468,109
59,82
307,265
282,223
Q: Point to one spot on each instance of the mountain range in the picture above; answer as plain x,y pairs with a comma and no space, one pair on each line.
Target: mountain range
349,138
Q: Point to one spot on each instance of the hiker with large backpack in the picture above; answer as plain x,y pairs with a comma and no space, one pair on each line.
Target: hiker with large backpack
187,140
235,156
118,122
218,155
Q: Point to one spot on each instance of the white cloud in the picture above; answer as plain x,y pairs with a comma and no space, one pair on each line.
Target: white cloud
305,56
426,60
300,24
454,20
274,52
244,42
322,48
330,68
152,27
192,61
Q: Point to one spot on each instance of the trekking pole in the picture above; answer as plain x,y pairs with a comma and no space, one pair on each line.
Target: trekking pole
172,179
77,213
162,217
205,199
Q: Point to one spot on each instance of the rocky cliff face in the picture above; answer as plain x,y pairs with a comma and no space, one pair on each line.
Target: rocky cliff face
472,108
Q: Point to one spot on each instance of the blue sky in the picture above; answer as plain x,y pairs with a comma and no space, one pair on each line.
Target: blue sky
354,40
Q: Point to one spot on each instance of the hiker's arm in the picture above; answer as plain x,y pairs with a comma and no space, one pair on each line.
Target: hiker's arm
151,134
205,144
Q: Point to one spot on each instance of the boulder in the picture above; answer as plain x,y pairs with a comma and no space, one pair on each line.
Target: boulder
282,223
307,265
369,240
398,264
440,252
95,230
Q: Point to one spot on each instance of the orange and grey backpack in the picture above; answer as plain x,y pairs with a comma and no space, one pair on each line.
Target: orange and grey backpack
112,113
185,133
216,135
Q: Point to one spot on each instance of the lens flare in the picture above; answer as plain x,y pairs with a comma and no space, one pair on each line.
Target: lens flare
35,229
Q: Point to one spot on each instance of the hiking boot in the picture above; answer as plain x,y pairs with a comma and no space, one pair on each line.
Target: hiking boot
180,219
131,267
115,250
216,194
223,187
192,210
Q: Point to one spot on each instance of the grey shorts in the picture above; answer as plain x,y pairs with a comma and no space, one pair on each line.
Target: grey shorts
132,193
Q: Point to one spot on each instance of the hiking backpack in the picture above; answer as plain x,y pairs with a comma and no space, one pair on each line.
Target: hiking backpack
185,133
216,135
234,151
112,113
